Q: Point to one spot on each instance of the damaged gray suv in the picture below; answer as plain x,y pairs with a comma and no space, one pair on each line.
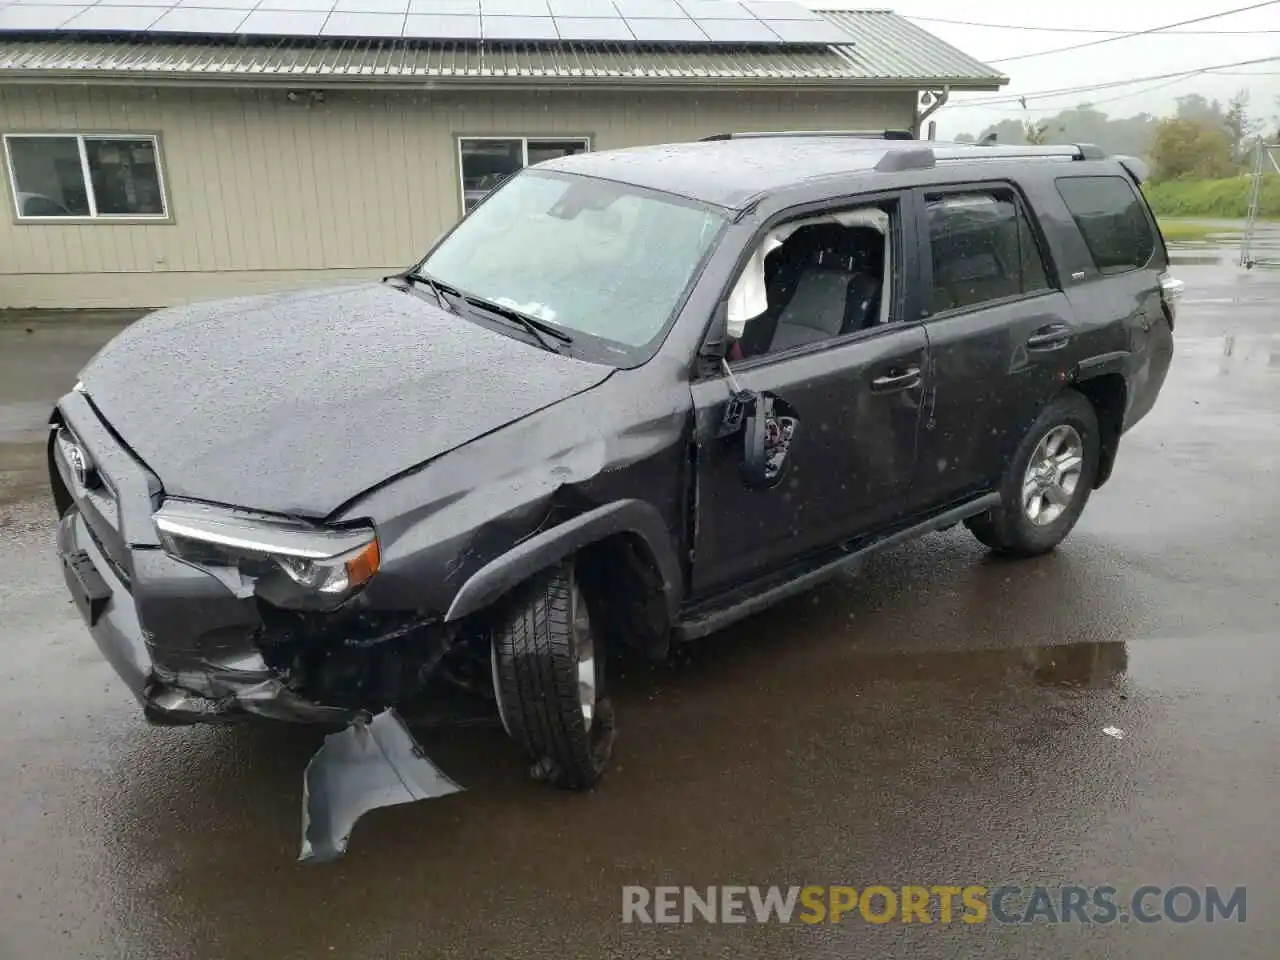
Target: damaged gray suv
629,399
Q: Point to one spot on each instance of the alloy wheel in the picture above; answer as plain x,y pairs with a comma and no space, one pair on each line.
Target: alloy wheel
1053,474
584,653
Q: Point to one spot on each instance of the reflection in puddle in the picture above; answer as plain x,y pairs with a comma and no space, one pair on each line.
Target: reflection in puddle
1085,664
1247,352
1177,257
1222,249
1078,664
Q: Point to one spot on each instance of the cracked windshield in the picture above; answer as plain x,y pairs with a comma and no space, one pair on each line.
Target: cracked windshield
639,479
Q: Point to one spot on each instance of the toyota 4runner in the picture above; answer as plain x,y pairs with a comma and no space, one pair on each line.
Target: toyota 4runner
632,397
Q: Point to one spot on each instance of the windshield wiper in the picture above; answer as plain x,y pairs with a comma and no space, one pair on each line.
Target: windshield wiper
539,329
437,287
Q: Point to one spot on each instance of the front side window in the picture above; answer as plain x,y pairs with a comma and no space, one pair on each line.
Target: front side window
1112,220
813,280
590,256
85,176
982,250
485,162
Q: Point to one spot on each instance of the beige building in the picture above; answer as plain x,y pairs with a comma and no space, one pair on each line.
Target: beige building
147,171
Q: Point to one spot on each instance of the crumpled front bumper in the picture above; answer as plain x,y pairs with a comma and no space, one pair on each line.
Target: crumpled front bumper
202,675
374,762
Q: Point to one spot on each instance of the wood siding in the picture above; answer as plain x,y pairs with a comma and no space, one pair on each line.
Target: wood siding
266,193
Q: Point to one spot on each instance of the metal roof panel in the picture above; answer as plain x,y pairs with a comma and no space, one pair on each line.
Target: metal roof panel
889,50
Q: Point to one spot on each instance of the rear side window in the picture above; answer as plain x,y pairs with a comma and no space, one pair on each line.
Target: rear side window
1112,219
982,249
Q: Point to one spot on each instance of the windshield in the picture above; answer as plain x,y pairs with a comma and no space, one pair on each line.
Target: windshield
587,255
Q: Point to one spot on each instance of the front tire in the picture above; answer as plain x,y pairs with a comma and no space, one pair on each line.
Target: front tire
548,677
1048,481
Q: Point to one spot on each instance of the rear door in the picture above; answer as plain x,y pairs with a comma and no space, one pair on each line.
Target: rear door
1001,336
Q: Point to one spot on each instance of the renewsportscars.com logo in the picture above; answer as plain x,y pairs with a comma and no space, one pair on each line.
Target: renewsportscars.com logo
942,904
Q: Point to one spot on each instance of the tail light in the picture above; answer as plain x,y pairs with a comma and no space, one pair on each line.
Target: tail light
1170,294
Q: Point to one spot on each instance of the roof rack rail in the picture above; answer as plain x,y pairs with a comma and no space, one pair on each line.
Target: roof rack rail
959,153
926,155
861,134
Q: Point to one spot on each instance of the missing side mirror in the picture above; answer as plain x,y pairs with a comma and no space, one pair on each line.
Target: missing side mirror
767,424
768,430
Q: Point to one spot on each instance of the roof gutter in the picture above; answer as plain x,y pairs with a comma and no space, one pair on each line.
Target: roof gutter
135,78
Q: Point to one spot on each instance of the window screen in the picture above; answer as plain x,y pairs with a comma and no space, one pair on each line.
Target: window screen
982,249
1112,219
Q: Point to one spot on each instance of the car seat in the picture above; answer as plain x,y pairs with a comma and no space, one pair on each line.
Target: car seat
825,280
837,290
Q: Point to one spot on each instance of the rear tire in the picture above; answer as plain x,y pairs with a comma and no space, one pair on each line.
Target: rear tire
1048,482
548,677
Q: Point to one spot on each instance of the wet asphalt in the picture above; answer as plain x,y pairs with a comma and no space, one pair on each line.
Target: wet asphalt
936,720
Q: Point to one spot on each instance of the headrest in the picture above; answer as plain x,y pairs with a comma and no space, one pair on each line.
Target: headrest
976,266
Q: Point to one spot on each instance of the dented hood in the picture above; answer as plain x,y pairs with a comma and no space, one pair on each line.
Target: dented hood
296,403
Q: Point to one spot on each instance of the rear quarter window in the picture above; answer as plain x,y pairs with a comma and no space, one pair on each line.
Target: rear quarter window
1112,219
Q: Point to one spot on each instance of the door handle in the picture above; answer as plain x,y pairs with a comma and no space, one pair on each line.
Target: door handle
1050,338
897,380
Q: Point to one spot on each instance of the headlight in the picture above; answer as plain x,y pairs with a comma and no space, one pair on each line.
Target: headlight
289,563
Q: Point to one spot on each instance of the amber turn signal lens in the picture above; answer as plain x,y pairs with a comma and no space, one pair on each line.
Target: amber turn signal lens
364,564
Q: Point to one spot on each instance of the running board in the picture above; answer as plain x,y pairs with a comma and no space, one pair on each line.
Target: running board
700,626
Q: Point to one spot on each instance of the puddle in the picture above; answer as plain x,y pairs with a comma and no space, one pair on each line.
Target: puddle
1193,259
1250,352
1234,353
1227,245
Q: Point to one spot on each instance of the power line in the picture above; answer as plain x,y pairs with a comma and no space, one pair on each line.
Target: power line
1114,33
1064,91
1135,33
1110,85
1098,103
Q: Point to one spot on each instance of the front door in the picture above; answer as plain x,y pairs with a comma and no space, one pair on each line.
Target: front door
851,459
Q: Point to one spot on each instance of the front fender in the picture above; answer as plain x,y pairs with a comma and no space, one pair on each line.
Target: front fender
588,457
551,546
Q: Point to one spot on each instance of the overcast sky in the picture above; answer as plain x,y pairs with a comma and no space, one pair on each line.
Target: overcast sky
1117,60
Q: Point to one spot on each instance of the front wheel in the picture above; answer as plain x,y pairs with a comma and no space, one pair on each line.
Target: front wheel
1048,481
548,677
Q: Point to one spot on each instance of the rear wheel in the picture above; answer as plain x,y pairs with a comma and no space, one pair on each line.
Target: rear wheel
548,677
1048,481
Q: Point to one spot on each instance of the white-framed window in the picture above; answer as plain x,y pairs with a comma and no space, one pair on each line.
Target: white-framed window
85,176
484,162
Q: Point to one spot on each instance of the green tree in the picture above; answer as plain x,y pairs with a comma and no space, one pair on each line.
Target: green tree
1036,134
1083,124
1006,131
1197,109
1239,126
1193,149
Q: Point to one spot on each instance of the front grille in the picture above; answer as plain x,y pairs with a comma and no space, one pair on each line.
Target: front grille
121,573
94,494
